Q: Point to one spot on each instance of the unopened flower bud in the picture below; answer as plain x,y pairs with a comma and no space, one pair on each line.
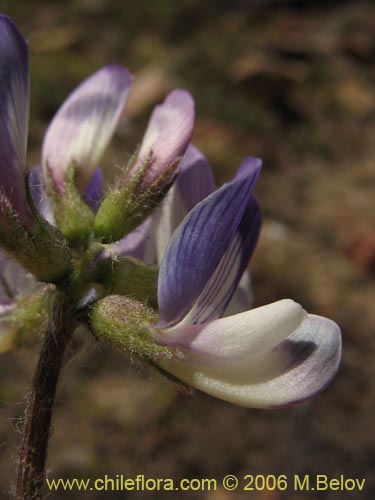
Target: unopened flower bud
124,323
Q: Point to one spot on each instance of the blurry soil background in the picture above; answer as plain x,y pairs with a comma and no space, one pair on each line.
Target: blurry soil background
287,81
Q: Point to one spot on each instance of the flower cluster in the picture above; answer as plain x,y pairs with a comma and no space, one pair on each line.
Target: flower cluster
157,265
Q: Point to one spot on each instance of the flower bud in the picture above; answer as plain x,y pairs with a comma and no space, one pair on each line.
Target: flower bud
73,216
152,170
124,323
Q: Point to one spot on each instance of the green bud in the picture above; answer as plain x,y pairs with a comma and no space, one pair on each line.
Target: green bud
124,323
130,202
73,217
129,276
42,250
26,319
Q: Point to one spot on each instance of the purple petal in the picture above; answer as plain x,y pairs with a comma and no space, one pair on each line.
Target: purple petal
93,195
195,180
137,244
203,239
14,113
85,123
223,283
167,136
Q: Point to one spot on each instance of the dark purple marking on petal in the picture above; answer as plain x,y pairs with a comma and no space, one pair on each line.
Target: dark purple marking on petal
312,357
200,242
93,195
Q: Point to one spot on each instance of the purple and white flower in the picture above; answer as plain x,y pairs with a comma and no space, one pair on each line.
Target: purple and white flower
271,356
202,238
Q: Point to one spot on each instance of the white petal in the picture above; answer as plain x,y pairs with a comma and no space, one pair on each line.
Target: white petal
294,371
236,337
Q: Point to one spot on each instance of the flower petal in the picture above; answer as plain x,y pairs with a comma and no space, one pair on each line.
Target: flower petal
85,123
221,286
14,114
137,244
242,299
94,192
294,371
202,240
167,136
238,337
14,281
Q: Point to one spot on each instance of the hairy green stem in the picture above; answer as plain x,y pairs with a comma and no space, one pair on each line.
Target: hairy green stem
39,412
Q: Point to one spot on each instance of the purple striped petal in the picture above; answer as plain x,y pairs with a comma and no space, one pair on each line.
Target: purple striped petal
167,136
223,283
94,193
215,229
14,113
229,360
85,123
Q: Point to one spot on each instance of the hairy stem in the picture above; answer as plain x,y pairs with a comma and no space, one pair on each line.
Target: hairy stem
31,471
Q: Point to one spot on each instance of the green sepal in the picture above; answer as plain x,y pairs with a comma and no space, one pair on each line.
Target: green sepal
128,204
26,320
43,251
73,216
130,276
125,323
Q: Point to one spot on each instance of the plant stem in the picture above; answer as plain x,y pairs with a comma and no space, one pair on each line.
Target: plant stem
38,417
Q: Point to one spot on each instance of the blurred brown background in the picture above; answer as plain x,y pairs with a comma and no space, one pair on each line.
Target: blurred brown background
290,82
